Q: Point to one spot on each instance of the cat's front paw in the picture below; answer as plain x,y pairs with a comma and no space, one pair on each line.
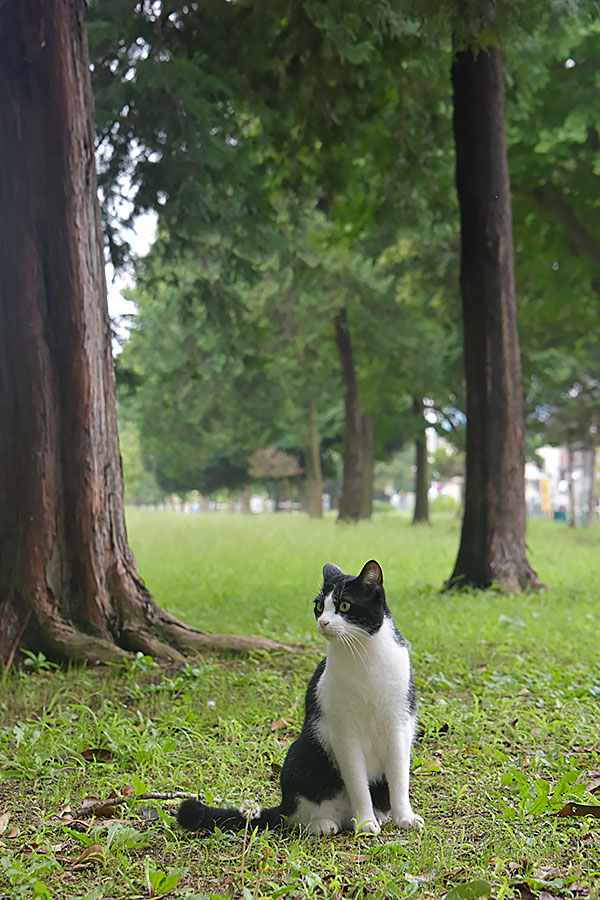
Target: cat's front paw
367,827
409,819
324,826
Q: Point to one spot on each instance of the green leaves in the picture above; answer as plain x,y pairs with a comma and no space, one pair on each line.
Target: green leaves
470,891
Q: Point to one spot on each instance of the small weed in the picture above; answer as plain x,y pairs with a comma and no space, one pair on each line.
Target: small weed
37,662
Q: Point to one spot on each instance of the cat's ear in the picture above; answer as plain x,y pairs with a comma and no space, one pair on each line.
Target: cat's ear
330,572
371,574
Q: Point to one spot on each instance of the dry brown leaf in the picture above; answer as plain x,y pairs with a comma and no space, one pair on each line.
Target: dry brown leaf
98,754
593,785
523,890
91,856
278,724
579,809
12,833
545,872
4,820
105,812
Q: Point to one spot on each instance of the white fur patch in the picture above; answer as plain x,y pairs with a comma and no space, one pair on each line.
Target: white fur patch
327,817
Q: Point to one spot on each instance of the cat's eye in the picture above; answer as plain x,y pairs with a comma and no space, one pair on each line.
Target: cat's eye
344,606
319,606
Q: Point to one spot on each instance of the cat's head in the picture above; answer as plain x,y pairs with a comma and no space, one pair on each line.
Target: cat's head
350,605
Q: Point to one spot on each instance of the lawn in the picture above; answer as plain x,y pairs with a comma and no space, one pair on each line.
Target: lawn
508,703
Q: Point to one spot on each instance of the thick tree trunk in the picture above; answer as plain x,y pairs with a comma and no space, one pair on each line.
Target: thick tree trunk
68,581
352,479
421,512
368,465
492,547
312,465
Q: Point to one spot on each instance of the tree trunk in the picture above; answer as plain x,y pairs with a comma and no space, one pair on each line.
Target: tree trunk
312,465
69,586
421,513
352,479
368,466
571,487
591,516
492,547
245,499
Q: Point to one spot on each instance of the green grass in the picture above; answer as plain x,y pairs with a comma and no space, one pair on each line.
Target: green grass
508,700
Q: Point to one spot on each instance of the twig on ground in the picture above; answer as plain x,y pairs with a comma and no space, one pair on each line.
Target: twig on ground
86,811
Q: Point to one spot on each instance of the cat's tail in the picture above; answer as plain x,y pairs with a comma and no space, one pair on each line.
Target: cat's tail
196,816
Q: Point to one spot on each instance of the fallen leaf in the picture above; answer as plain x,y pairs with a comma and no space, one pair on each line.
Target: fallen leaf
579,809
148,813
593,786
419,879
278,724
12,833
98,754
523,890
92,855
545,872
4,820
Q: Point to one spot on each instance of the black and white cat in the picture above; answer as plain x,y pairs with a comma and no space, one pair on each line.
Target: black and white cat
349,766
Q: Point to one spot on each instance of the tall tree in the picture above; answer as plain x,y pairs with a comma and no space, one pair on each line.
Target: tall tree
492,547
351,501
68,580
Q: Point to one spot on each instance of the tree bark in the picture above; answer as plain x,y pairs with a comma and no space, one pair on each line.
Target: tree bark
592,498
492,547
69,585
421,511
368,466
352,478
572,519
312,465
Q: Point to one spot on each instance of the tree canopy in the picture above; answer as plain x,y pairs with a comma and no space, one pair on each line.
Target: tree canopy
301,162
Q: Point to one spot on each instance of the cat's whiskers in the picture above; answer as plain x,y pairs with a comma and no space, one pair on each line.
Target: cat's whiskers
352,641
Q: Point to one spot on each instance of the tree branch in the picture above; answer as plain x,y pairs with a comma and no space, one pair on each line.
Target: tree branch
551,201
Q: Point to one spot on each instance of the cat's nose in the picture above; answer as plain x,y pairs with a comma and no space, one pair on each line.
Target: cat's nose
323,623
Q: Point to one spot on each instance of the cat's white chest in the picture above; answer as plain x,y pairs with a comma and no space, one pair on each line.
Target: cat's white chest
364,695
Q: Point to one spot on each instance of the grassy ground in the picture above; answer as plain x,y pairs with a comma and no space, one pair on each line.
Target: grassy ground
508,691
